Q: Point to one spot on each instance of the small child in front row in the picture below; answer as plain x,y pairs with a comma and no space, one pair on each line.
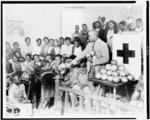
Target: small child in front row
37,63
17,96
82,84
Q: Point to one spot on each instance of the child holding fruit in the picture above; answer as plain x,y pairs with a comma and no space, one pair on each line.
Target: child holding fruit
82,84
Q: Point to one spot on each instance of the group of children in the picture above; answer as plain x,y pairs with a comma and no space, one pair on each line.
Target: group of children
35,62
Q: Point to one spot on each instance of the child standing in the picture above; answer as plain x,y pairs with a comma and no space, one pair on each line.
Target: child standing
37,64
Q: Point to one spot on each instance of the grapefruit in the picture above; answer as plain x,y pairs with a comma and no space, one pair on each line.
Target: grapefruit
121,67
115,73
109,72
122,73
104,76
114,67
114,62
98,75
103,71
108,67
116,79
124,79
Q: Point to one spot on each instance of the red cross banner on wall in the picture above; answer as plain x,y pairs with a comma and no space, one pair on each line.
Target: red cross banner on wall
127,51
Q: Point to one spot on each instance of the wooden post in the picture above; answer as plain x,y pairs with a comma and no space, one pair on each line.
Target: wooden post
108,109
97,107
56,90
115,102
81,103
74,101
126,89
66,102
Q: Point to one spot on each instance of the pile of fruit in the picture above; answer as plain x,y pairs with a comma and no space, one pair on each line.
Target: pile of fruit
114,73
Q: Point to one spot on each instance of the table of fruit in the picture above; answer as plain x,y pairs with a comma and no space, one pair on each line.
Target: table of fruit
113,75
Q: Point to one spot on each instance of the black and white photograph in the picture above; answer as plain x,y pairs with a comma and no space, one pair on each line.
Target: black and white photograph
74,60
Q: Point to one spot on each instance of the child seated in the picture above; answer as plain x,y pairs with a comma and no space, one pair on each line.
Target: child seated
137,96
27,67
55,64
82,80
49,57
16,65
70,78
17,96
82,84
45,66
37,64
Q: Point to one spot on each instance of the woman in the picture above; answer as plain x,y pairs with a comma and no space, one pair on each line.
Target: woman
37,64
66,49
50,46
84,35
19,56
16,65
9,56
112,29
16,47
61,40
139,25
49,58
76,50
76,33
56,48
45,47
9,68
122,27
27,66
28,47
9,51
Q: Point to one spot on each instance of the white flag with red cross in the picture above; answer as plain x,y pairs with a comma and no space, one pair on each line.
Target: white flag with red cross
127,51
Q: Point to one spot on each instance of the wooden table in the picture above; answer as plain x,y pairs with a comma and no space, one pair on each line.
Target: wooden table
113,85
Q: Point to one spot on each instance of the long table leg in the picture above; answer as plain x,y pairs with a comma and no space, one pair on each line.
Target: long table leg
127,93
114,91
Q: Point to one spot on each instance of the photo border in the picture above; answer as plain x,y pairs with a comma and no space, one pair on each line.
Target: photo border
74,2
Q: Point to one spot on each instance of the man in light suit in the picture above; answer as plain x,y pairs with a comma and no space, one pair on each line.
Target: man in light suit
101,56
